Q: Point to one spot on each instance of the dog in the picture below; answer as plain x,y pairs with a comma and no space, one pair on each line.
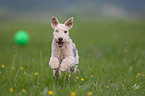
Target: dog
64,55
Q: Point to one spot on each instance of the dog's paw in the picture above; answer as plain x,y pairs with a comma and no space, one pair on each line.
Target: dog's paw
54,63
54,66
62,69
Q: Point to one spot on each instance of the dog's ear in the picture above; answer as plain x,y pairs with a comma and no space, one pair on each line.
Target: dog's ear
69,23
54,22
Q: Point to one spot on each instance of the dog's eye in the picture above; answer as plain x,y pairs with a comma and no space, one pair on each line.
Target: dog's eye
56,31
65,31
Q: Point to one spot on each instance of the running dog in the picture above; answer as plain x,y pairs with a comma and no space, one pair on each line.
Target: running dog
64,55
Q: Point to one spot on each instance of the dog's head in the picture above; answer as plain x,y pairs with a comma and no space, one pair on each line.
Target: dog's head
61,31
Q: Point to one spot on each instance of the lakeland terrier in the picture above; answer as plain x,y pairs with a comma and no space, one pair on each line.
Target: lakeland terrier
64,55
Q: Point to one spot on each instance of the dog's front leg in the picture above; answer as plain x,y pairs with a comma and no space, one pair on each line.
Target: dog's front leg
67,63
54,62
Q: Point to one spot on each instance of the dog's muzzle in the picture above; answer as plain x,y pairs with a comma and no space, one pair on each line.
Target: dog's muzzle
60,42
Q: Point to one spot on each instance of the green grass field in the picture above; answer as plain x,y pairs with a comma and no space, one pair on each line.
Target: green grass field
108,68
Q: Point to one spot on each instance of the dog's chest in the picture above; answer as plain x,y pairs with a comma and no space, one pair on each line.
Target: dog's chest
61,55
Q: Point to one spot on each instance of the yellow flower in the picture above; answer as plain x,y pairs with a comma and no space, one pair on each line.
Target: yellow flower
13,68
69,75
38,86
50,92
21,68
89,93
79,85
11,89
138,74
107,86
23,90
36,73
82,79
73,94
77,77
75,80
3,66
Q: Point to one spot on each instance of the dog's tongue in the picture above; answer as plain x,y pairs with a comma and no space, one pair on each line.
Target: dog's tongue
60,44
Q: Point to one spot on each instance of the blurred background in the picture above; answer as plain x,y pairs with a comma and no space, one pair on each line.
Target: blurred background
42,11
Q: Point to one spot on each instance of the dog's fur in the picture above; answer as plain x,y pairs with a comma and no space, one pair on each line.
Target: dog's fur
64,55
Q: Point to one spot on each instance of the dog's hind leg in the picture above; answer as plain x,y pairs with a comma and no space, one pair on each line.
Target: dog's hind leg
56,73
73,69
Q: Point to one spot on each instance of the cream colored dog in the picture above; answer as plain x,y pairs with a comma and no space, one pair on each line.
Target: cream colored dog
64,55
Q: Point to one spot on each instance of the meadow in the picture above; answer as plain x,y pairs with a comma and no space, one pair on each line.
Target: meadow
106,67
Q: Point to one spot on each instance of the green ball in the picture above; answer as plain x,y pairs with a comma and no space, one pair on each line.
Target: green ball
21,37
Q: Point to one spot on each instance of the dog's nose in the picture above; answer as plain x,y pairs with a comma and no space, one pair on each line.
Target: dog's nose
60,39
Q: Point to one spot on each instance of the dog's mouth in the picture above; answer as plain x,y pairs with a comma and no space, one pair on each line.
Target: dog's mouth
60,44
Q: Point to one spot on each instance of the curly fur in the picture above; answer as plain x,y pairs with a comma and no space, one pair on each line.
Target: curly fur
65,57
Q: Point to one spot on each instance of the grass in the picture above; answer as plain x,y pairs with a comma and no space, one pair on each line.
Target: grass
106,66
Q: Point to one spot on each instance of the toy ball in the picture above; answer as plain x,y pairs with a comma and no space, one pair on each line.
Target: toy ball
21,37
